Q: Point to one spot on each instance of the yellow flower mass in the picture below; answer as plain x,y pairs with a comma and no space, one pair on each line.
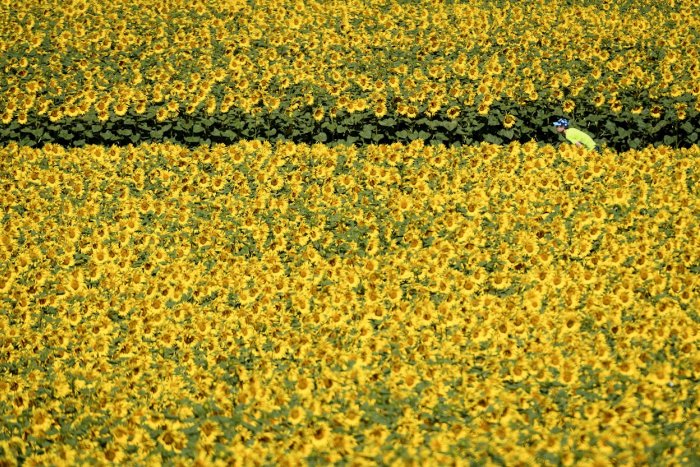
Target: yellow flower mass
175,58
269,303
502,318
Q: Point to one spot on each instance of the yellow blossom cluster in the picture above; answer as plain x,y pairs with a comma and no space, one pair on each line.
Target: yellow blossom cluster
66,59
259,304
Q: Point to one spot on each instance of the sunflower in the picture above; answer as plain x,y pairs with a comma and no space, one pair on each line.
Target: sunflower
173,439
509,120
500,280
218,182
41,421
22,117
660,373
296,415
7,282
210,105
54,115
588,277
121,108
568,106
376,435
209,430
433,107
599,99
161,114
380,110
102,105
320,435
453,112
615,106
6,117
358,105
103,116
113,453
172,106
517,373
275,183
411,111
42,105
84,107
570,322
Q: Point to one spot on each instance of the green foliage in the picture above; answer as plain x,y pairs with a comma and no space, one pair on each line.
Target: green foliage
621,130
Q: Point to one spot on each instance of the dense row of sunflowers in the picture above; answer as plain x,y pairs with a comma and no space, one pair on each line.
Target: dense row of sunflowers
255,303
66,59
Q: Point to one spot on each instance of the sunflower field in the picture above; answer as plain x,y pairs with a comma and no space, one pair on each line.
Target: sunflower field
294,303
79,72
240,232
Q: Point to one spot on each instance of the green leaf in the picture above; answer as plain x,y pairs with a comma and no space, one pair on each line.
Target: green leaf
688,127
450,125
493,139
183,126
439,138
366,132
507,133
623,133
63,134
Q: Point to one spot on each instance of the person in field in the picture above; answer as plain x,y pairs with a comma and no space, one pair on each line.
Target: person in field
575,136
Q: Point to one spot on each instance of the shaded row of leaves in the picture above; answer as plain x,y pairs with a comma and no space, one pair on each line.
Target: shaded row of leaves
620,131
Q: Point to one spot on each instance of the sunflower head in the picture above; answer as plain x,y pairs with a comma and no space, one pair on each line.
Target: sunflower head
509,120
